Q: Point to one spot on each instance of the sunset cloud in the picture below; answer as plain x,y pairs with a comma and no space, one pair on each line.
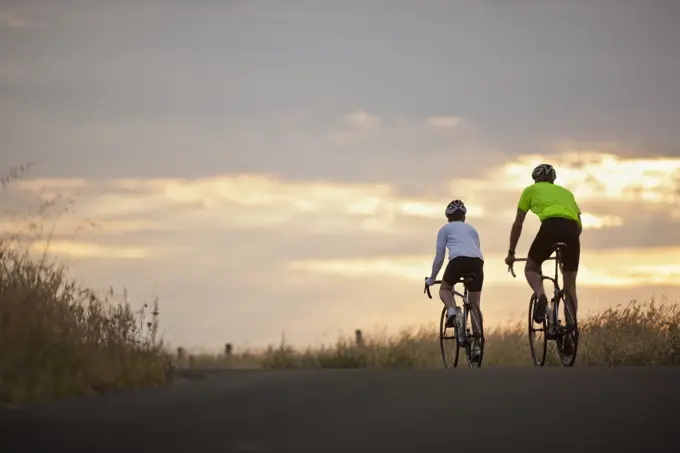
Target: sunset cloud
591,221
241,200
594,176
615,268
77,249
258,199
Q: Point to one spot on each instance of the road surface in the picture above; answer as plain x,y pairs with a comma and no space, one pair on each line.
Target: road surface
599,410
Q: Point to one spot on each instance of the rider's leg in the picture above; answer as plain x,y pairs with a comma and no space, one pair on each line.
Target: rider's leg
570,260
446,295
569,278
570,286
474,298
539,251
450,277
475,290
532,272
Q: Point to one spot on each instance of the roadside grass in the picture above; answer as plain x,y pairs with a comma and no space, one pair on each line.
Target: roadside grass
58,339
640,333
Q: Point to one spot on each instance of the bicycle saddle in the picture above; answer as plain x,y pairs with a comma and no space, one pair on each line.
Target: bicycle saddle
467,278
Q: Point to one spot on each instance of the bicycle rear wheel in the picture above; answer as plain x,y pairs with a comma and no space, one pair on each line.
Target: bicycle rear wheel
538,341
567,332
448,342
473,315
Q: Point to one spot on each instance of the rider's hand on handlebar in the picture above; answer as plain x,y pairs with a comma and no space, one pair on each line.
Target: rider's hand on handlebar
509,260
429,281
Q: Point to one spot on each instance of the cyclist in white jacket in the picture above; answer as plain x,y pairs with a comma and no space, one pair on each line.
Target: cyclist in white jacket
465,257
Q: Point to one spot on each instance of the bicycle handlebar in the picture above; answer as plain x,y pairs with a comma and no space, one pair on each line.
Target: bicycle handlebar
512,270
427,288
436,282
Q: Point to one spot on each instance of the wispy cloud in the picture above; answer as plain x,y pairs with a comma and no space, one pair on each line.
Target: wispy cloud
362,119
443,121
591,221
36,185
79,249
595,176
597,179
610,268
261,199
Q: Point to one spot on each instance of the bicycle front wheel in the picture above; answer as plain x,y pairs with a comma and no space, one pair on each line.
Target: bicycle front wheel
448,342
473,318
567,330
538,341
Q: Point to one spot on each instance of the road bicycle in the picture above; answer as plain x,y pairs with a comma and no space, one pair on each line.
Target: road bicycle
464,339
556,326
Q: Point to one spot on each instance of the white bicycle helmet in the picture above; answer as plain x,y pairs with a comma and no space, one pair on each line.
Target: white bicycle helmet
544,172
455,205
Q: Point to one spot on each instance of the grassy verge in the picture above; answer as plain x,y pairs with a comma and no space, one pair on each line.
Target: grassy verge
641,333
59,339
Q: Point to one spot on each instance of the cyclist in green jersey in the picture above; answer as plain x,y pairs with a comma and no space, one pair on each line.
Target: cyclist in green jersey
560,218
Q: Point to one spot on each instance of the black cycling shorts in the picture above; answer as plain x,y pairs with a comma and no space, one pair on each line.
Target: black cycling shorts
465,265
557,229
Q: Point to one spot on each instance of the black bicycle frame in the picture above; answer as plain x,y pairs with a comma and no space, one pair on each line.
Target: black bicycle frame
558,261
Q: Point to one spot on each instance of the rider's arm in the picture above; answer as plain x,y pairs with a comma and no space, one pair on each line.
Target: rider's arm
516,231
522,208
440,253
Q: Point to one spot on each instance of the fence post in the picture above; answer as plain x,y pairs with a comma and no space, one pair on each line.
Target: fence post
357,337
180,353
227,349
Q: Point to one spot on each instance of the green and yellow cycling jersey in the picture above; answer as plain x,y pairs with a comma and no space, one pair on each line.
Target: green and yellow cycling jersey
549,200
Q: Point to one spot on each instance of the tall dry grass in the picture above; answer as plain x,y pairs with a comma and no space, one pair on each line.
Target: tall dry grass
59,339
641,333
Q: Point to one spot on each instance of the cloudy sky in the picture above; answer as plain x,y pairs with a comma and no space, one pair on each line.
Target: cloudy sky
282,167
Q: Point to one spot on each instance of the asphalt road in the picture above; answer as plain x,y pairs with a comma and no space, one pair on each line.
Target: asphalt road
596,409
